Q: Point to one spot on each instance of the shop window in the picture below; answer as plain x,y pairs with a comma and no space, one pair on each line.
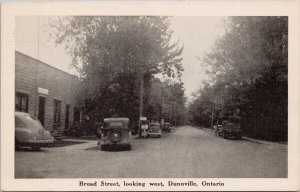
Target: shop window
57,111
22,102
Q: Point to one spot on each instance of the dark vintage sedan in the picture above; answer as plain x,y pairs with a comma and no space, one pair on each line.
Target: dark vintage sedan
115,133
229,129
154,130
166,127
30,132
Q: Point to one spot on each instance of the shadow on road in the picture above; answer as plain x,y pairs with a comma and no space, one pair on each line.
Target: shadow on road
112,149
29,149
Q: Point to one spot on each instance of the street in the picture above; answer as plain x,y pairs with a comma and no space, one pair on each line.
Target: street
186,152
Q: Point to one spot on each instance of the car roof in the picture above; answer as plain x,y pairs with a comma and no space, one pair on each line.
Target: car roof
116,119
153,123
18,113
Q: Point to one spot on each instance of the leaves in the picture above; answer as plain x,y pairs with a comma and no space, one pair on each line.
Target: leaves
111,52
248,71
166,101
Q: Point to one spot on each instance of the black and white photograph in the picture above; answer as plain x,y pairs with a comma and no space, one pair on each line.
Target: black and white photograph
111,100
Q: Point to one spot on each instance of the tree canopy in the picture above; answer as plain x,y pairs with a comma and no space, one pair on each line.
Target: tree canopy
113,52
248,72
166,100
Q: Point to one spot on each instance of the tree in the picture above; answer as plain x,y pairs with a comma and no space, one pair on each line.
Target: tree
117,56
166,101
249,65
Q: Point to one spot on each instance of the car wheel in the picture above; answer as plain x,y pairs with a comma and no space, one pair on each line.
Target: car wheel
223,135
238,137
129,148
103,147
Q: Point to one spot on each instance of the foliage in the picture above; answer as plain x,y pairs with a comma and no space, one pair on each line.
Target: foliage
166,101
248,70
112,54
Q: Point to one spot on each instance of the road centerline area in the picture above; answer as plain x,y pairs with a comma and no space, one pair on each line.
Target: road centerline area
187,152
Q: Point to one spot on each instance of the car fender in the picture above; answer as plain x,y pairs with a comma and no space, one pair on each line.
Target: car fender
22,134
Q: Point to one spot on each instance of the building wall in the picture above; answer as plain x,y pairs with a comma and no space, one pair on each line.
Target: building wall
32,74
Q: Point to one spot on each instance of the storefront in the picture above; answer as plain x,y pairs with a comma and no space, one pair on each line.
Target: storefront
45,92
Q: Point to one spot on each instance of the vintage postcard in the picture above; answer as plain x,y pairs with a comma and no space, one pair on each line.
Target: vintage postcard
150,96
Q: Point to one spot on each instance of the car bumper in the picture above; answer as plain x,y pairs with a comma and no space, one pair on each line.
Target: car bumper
38,143
232,134
106,142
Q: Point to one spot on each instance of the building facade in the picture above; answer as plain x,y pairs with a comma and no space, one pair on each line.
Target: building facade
45,92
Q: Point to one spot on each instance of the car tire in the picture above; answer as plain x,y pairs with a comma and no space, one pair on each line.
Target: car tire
238,137
129,148
223,135
103,147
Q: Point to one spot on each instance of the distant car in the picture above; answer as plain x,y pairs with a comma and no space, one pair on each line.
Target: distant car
30,132
167,127
154,130
228,129
116,133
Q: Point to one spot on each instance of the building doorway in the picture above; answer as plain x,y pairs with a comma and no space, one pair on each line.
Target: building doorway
76,115
41,115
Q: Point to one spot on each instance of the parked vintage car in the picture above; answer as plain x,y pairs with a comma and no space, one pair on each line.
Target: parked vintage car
115,133
228,129
166,127
30,132
154,130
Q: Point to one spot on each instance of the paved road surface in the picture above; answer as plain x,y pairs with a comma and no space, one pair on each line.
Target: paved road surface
186,152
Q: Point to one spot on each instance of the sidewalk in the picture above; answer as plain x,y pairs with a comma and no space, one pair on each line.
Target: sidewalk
82,146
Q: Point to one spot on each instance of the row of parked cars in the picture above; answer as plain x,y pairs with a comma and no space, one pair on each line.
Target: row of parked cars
155,129
227,129
114,132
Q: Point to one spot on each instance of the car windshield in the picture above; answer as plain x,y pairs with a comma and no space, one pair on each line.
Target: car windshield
153,126
231,125
115,124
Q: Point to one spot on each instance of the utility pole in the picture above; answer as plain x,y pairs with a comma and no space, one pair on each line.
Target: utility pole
141,100
161,103
212,117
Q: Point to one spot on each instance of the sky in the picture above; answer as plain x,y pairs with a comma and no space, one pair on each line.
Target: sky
197,34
